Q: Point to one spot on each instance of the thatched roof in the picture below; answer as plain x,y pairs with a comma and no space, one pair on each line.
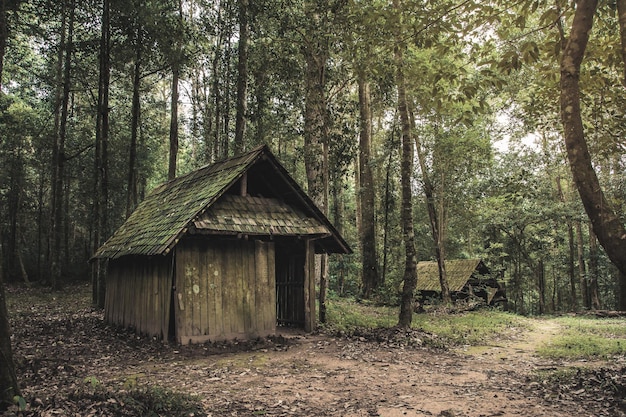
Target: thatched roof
205,201
458,271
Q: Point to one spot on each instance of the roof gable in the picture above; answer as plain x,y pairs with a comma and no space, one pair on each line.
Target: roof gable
458,272
172,208
234,214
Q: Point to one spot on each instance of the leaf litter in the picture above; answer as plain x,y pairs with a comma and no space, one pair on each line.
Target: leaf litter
71,363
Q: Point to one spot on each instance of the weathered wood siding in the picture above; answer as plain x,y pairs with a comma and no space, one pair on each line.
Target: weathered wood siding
138,294
310,322
225,289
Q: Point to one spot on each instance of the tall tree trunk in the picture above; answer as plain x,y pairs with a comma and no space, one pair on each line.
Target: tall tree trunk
541,286
173,155
225,144
621,14
101,162
606,224
387,204
8,379
176,66
367,190
4,31
59,158
242,78
571,267
131,188
435,227
593,270
260,77
582,273
316,128
408,233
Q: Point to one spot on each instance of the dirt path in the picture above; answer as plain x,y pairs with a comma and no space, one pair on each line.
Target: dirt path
522,347
62,347
326,376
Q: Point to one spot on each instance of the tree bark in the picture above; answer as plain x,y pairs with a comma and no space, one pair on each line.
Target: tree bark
408,233
621,14
316,128
131,188
571,267
101,159
435,227
593,270
8,379
242,78
59,157
541,286
582,273
173,155
606,224
176,66
367,190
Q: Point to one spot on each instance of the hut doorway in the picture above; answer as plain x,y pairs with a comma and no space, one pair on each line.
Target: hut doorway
290,257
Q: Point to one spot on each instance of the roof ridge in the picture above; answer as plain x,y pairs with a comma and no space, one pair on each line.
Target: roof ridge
194,172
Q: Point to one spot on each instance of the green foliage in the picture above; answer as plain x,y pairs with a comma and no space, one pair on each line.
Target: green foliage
472,328
151,401
345,314
587,338
20,402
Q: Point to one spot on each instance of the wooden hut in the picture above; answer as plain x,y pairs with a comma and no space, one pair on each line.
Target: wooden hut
466,278
223,252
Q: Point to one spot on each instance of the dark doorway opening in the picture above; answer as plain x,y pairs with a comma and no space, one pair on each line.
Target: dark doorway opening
290,283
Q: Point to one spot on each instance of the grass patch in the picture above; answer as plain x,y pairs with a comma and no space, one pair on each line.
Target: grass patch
470,328
587,338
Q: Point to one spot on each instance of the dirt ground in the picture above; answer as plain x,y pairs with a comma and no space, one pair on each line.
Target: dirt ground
62,346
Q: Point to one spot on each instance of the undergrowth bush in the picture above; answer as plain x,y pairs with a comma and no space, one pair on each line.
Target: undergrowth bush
148,401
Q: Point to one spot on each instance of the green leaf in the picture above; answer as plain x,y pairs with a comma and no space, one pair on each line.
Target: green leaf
20,402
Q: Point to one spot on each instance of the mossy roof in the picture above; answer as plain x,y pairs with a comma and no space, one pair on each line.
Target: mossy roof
458,272
172,208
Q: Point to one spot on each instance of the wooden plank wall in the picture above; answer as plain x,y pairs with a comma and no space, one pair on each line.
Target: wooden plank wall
138,294
225,289
309,286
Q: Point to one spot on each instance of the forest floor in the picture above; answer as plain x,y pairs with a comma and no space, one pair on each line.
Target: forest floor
70,363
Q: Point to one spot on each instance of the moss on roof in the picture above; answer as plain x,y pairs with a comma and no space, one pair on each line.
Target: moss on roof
458,271
186,203
159,221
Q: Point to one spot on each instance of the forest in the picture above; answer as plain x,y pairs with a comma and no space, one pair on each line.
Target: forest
424,130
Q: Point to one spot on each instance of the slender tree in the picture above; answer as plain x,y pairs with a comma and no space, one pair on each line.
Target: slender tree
435,225
316,53
101,158
131,185
367,191
406,170
8,378
59,156
242,77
